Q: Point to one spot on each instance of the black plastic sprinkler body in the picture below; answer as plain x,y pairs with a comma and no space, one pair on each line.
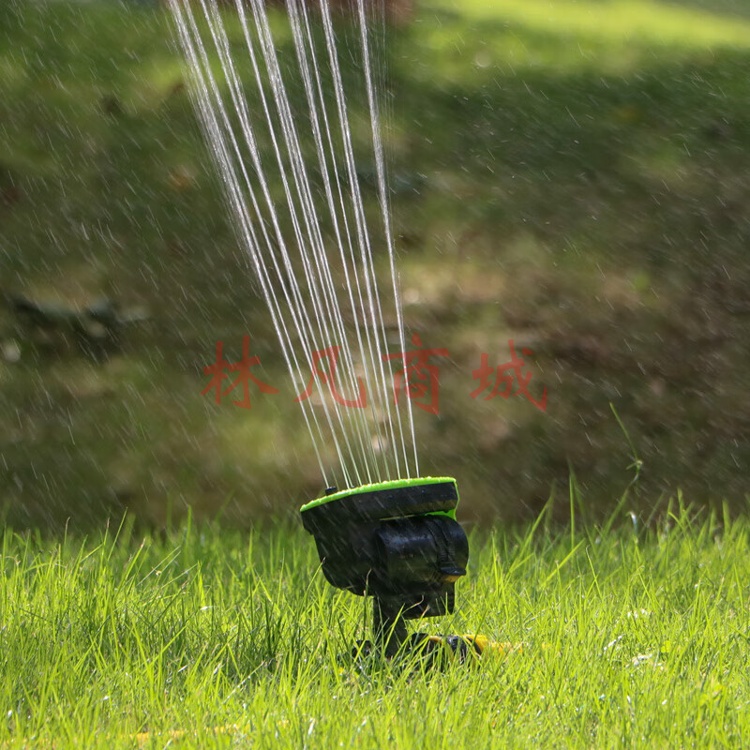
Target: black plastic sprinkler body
396,541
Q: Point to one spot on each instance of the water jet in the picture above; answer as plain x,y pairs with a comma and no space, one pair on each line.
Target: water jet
388,533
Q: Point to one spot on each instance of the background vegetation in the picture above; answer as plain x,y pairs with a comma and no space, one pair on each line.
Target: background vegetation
572,176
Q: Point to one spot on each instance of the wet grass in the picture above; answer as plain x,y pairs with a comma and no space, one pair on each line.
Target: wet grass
573,179
623,637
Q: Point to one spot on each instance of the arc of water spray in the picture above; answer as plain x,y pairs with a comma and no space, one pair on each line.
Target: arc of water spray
307,308
219,134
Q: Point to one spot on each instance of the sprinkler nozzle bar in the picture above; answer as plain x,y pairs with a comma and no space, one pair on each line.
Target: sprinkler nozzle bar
397,541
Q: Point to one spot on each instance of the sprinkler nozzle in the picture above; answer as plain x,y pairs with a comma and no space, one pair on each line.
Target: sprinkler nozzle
396,541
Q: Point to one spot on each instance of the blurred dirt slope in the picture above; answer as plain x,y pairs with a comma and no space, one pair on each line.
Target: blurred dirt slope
579,189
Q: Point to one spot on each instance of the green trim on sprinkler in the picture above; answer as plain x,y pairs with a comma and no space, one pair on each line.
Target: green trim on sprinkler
391,484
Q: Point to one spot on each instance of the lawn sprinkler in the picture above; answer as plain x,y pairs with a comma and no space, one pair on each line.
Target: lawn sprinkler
398,542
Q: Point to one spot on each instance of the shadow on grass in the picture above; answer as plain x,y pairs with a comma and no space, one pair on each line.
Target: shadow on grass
728,8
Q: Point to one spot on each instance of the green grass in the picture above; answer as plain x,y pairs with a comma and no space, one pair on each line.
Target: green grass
631,637
664,24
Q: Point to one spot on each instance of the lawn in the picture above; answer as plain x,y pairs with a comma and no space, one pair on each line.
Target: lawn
571,176
614,637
